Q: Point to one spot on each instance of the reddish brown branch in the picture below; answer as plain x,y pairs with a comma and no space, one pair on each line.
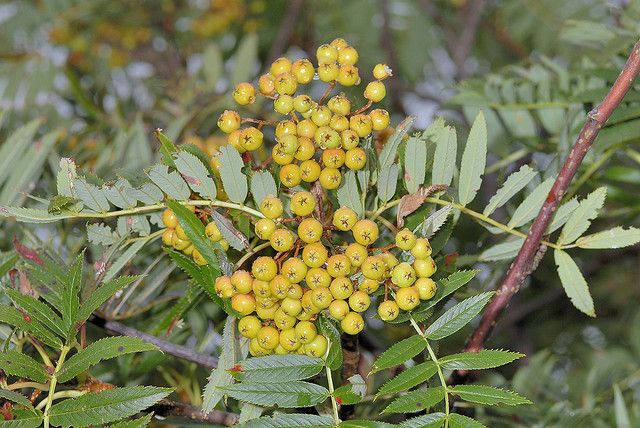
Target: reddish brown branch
523,265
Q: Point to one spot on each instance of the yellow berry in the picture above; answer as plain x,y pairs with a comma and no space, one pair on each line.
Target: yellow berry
244,93
352,323
327,138
379,119
169,219
303,70
405,239
375,91
303,103
348,55
355,159
264,268
350,139
251,138
282,240
244,304
303,203
426,288
249,326
361,124
365,232
326,53
305,151
280,65
229,121
424,267
286,84
315,254
268,337
290,175
339,104
283,104
388,310
330,178
310,230
266,85
348,75
344,218
333,158
407,298
328,72
271,207
309,170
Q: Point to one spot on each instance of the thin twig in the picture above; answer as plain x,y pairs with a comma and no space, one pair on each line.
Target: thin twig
115,328
166,408
386,42
523,265
288,24
472,13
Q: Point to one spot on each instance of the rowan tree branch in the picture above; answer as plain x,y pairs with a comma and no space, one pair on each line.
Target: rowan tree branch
524,262
115,328
288,24
166,408
472,14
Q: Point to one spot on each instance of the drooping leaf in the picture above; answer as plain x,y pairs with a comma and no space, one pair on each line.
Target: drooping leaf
413,376
618,237
349,195
327,328
484,359
107,406
513,184
233,180
415,401
233,236
103,349
580,219
457,317
530,206
474,159
71,293
390,149
15,397
444,160
289,420
282,368
262,185
91,196
169,182
196,174
387,182
220,377
18,364
415,163
502,251
282,394
488,395
574,283
399,352
10,315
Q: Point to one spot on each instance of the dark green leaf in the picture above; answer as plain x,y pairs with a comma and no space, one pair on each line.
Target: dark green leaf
37,310
399,352
457,317
18,364
432,420
484,359
101,295
286,395
353,392
10,315
15,397
413,376
461,421
415,401
290,420
282,368
488,395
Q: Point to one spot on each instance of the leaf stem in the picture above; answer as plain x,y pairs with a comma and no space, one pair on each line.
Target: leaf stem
433,357
334,403
250,253
72,393
34,385
54,382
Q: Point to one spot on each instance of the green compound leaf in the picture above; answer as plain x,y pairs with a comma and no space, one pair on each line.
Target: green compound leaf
502,251
353,392
415,401
262,185
460,421
484,359
432,420
387,182
349,195
530,206
31,418
37,310
220,376
618,237
286,395
290,420
91,196
457,317
444,161
474,159
12,316
21,365
102,294
196,174
282,368
488,395
327,328
514,183
388,154
399,352
574,283
580,219
233,180
169,182
15,397
415,163
413,376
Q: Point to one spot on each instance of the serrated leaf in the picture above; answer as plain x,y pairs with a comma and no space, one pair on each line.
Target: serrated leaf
488,395
618,237
365,424
327,328
169,182
349,195
387,182
286,395
415,401
15,397
262,185
233,236
37,310
580,219
513,184
103,407
562,215
233,180
574,283
101,295
71,293
103,349
66,175
444,160
29,419
148,194
18,364
249,411
412,376
167,148
15,145
531,205
390,149
432,420
449,285
399,352
502,251
460,421
32,215
245,57
101,234
434,222
474,160
196,174
415,163
457,317
194,229
353,392
10,315
484,359
134,423
120,194
282,368
220,376
90,195
290,420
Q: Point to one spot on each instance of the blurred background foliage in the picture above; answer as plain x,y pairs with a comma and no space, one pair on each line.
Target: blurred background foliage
93,80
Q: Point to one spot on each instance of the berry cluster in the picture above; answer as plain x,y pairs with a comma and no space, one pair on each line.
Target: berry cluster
174,236
310,274
331,127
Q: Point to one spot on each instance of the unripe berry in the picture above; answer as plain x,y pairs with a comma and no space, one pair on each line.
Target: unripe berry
339,104
249,326
424,267
169,219
289,144
317,277
321,297
321,115
283,320
338,265
280,65
280,156
229,121
426,288
348,55
348,75
339,43
283,104
279,286
294,270
223,287
341,288
357,253
306,128
265,302
315,255
261,289
303,103
310,230
289,340
290,175
251,138
373,267
286,84
264,268
388,310
339,309
327,138
330,178
244,304
305,151
303,70
389,260
369,285
328,72
405,239
282,240
339,123
403,275
266,85
271,207
167,236
379,119
359,301
350,139
268,337
407,298
212,231
375,91
291,306
181,234
234,139
242,281
285,127
382,71
333,158
352,323
317,348
422,249
310,171
303,203
198,258
361,124
264,228
355,159
326,53
306,331
365,232
256,350
344,218
267,313
179,244
244,93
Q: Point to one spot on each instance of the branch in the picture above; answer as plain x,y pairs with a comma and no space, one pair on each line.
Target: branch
351,361
166,408
115,328
396,88
472,13
294,8
523,265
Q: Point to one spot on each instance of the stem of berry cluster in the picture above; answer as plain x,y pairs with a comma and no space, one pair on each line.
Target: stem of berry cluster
523,264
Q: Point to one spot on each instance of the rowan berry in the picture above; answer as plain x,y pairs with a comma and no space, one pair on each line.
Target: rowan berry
317,277
349,139
264,228
280,156
341,288
407,298
251,138
355,159
303,70
382,71
223,287
348,75
291,306
306,128
340,105
373,267
359,301
305,152
321,115
348,55
405,239
261,289
302,104
285,127
338,265
344,218
279,286
294,270
403,275
339,43
369,285
303,203
426,288
375,91
317,348
268,337
169,219
282,240
310,230
294,291
357,253
256,350
264,268
326,53
379,119
339,309
365,232
310,171
244,304
289,144
181,234
361,124
248,326
305,332
330,178
424,267
352,323
271,207
321,297
388,310
315,254
288,339
229,121
290,175
333,158
167,236
198,258
244,93
286,84
422,249
328,72
283,104
266,85
179,244
242,281
235,140
339,123
280,65
267,313
327,138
